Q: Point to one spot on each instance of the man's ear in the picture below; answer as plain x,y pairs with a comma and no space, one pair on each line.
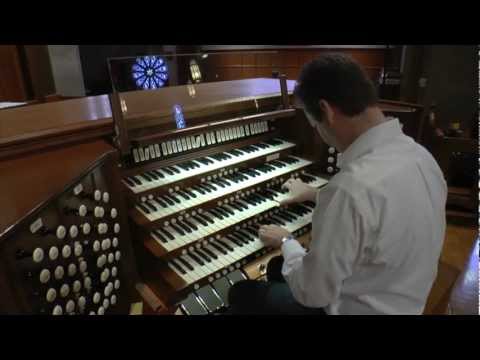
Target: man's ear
327,111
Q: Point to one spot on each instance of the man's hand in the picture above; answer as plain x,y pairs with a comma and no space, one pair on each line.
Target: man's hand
272,235
298,192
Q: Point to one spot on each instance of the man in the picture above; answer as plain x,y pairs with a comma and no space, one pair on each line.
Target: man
378,225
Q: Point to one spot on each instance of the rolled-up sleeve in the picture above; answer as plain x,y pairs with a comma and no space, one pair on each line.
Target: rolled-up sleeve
315,277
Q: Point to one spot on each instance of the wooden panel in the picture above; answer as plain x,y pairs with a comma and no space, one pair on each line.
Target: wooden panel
263,72
12,86
50,120
39,70
23,184
248,73
264,60
248,60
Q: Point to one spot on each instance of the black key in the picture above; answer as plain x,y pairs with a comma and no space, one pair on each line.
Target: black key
200,220
160,235
246,235
175,170
284,217
235,240
178,267
129,181
204,188
144,208
199,189
221,211
189,223
210,253
138,182
218,183
173,198
167,200
196,259
158,173
219,248
228,247
216,213
227,210
167,170
146,177
182,194
166,232
191,193
178,229
161,202
203,255
241,205
184,226
210,186
236,206
150,206
184,262
239,238
206,218
276,221
153,175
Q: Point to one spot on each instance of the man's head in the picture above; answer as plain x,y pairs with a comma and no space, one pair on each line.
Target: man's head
336,95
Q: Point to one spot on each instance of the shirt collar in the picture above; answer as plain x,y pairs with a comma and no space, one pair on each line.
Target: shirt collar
371,138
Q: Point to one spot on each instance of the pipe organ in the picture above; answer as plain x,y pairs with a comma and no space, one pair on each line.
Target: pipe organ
158,198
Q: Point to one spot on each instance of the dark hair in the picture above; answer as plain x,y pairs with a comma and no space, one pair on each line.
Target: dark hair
338,79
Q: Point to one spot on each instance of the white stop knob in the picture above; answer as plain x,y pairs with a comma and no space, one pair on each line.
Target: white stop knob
96,298
114,271
92,313
44,276
64,290
115,242
82,210
329,169
331,150
59,272
108,290
86,228
77,286
87,283
101,311
81,302
78,250
99,211
117,284
113,213
111,258
61,232
51,295
117,255
70,306
106,243
106,197
113,299
72,270
330,159
102,228
83,266
37,255
73,231
103,277
116,228
53,253
96,246
101,261
97,195
66,251
57,310
106,304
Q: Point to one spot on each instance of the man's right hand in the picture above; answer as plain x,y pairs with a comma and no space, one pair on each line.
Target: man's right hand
298,192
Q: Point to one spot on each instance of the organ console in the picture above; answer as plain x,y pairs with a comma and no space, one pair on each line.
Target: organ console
198,188
171,182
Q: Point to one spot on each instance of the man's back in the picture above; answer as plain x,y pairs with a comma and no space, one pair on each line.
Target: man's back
399,192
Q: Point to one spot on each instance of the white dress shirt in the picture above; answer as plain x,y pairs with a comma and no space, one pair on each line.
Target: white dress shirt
377,230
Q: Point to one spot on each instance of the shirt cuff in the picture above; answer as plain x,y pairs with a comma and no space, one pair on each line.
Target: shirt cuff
292,249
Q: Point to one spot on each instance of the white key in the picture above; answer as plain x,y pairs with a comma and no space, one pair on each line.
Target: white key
153,155
164,149
202,140
185,277
222,259
146,151
142,154
205,270
169,147
136,157
209,140
158,154
197,273
173,144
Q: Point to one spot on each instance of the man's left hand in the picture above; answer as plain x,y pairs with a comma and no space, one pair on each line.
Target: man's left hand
272,235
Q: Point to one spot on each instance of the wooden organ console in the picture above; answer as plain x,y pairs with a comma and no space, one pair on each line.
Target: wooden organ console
172,183
65,245
201,173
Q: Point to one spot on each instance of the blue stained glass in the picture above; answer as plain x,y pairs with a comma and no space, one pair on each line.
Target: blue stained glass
149,72
178,115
